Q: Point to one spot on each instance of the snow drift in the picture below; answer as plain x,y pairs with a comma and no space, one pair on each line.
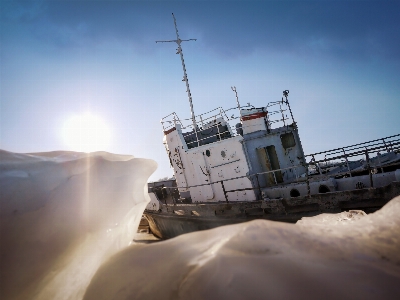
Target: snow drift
62,214
342,256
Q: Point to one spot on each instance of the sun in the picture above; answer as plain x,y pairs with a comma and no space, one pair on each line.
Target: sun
86,133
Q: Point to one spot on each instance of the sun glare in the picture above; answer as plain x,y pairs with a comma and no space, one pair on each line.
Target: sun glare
86,133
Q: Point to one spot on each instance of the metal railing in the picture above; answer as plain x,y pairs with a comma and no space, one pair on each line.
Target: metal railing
256,175
325,160
220,135
172,119
389,144
280,113
210,119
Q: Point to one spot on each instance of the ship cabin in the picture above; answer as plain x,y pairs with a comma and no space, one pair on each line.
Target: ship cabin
220,158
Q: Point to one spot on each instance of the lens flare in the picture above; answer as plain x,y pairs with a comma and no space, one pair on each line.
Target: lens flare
86,133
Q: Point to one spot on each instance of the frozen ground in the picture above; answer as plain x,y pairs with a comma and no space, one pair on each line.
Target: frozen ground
64,214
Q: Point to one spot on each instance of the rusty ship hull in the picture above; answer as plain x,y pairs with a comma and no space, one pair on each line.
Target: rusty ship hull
176,219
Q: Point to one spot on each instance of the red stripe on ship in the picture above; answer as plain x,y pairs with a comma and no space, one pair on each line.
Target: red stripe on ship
169,131
254,116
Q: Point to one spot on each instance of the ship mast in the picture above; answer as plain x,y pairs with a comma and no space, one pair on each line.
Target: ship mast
185,78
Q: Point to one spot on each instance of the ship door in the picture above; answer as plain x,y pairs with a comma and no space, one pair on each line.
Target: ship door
269,162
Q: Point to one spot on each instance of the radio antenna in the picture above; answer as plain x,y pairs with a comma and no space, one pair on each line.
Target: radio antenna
185,78
237,100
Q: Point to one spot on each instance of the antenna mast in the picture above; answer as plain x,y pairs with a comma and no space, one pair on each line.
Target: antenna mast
237,101
185,78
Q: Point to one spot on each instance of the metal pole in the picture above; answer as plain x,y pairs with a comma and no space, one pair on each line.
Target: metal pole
369,168
347,162
286,93
223,188
387,150
259,187
317,165
379,160
283,116
308,183
185,78
237,100
219,134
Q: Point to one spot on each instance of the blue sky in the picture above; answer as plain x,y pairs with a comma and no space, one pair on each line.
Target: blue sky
339,59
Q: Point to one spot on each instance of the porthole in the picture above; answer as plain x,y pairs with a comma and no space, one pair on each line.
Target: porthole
208,153
323,189
294,193
223,154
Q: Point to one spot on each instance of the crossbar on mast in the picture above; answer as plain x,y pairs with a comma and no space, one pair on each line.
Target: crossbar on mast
185,78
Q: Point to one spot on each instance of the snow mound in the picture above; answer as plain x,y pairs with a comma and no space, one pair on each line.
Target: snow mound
264,260
62,214
344,218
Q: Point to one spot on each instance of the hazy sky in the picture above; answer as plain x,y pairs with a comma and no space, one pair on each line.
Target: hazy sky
60,60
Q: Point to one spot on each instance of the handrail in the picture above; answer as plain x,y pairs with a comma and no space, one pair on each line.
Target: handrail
356,153
375,146
234,178
244,189
346,147
365,151
223,113
174,121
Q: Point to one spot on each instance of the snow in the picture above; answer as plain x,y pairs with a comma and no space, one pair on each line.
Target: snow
67,220
345,256
62,214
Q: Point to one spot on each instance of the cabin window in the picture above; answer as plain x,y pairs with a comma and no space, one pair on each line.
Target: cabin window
223,154
288,140
208,153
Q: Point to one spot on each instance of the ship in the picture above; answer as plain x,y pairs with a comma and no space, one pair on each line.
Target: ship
244,163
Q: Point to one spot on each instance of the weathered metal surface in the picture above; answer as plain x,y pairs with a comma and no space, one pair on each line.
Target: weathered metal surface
167,223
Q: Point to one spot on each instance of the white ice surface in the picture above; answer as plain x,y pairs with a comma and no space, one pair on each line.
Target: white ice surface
61,215
344,256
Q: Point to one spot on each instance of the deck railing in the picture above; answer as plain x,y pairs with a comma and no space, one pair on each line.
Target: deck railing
276,114
324,160
389,144
250,176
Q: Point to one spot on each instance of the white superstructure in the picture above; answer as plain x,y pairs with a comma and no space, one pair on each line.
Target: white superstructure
202,169
214,163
